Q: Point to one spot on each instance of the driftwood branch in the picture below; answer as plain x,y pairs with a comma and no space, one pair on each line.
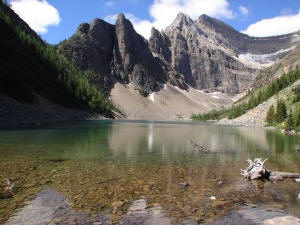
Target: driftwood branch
257,170
199,147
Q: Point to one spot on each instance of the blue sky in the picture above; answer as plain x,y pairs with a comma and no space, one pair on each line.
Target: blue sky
56,20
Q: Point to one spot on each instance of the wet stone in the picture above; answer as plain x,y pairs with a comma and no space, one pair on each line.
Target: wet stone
212,198
219,183
184,184
139,215
284,220
50,207
249,215
138,205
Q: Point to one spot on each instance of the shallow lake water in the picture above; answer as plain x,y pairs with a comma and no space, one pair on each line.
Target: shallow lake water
109,169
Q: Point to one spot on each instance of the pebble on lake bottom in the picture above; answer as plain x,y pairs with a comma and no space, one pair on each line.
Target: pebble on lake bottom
284,220
213,198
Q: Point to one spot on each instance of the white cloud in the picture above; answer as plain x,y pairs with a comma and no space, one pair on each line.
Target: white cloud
243,10
274,26
109,3
39,14
164,12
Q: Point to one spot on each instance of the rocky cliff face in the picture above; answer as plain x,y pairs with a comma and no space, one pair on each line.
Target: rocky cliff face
91,49
204,54
116,53
133,61
225,35
287,64
194,50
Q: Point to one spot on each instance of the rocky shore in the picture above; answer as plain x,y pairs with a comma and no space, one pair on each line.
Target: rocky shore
50,207
14,114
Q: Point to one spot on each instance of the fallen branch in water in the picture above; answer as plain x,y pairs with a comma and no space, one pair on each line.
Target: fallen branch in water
257,170
199,147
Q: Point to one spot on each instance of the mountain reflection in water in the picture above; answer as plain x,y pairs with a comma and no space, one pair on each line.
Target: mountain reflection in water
101,167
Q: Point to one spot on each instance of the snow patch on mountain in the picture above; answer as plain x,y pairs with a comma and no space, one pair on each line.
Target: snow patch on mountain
265,60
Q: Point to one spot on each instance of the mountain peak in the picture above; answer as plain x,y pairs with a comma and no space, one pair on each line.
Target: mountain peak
154,32
181,20
181,17
213,22
205,17
121,18
122,21
83,28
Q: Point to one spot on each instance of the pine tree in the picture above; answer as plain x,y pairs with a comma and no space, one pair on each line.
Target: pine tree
270,118
296,117
289,123
280,111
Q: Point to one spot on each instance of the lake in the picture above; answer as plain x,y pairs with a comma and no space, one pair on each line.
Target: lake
110,168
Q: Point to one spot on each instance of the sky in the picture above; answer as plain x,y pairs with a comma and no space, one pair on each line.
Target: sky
56,20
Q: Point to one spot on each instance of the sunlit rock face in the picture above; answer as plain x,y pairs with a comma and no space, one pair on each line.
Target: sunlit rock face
204,54
116,53
212,55
133,61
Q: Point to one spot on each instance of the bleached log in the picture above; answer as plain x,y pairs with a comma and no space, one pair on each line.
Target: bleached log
257,170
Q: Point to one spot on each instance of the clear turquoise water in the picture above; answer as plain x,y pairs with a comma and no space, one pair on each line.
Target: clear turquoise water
149,159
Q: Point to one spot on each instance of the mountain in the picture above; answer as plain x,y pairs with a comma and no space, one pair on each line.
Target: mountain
203,56
37,84
212,55
192,66
116,53
289,62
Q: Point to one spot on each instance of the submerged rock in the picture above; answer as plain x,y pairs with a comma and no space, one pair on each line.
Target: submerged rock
219,183
50,207
6,189
212,198
184,184
255,215
139,215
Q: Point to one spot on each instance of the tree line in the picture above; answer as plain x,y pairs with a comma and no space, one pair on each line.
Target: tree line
60,72
254,97
291,119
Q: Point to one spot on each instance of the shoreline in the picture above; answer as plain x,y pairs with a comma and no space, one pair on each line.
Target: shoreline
32,124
